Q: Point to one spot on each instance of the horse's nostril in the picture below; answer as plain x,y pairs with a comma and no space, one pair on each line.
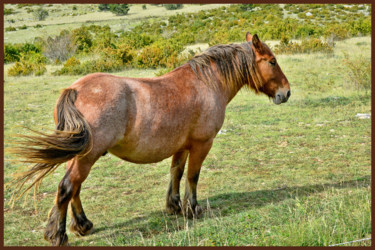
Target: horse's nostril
288,94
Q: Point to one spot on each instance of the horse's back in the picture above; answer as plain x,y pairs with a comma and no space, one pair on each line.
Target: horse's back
146,119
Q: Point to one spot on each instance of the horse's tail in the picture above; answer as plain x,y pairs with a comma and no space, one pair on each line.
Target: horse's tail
72,137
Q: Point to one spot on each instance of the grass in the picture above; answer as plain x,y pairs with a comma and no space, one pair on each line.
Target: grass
296,174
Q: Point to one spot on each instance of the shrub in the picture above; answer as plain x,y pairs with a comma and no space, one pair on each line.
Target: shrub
144,7
118,9
29,63
82,39
40,14
38,26
306,46
245,7
23,27
8,11
29,47
122,52
60,47
10,29
173,6
111,59
358,71
71,67
11,53
162,53
103,7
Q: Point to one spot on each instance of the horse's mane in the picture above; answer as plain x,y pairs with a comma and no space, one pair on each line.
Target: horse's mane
235,64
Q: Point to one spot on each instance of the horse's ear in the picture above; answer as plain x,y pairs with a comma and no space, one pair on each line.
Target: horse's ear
248,37
257,43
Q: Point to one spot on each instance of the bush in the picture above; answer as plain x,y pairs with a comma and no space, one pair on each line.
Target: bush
10,29
29,63
59,48
358,71
173,6
103,7
306,46
246,7
11,53
118,9
23,27
40,14
110,60
8,11
82,39
162,53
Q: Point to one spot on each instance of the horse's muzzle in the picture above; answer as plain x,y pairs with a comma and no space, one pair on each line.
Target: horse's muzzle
281,97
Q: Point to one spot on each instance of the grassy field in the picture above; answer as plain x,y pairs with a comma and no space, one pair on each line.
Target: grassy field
62,16
297,174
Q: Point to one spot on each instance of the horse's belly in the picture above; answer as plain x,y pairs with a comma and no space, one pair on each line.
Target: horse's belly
145,152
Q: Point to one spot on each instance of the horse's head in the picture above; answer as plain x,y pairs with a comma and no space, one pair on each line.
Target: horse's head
275,84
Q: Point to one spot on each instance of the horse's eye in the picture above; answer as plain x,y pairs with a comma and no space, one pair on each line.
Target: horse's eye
273,62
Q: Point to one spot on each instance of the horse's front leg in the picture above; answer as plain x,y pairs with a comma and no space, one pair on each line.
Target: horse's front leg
69,188
173,204
198,153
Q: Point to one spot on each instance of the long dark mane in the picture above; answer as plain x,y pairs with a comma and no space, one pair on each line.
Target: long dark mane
235,64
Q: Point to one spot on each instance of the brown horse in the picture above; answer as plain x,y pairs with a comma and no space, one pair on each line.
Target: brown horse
145,120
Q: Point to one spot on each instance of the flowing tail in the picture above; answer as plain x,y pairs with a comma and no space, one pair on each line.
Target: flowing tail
72,137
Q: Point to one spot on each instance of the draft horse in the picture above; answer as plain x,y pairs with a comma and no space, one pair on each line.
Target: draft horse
145,120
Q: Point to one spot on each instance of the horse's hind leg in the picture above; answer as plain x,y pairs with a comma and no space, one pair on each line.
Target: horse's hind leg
79,223
198,153
69,187
173,204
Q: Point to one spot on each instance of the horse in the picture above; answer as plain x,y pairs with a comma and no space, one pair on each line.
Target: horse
146,120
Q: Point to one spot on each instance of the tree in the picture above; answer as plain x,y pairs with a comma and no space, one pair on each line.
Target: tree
118,9
173,6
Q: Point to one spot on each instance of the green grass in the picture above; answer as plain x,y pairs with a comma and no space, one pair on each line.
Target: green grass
293,174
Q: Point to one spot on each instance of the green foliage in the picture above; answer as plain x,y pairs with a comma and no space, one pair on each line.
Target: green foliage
118,9
40,14
173,6
8,11
306,46
162,53
23,27
103,7
30,63
11,53
144,7
110,60
10,28
246,7
82,39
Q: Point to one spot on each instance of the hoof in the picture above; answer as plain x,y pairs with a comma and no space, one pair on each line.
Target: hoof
173,205
81,230
59,240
